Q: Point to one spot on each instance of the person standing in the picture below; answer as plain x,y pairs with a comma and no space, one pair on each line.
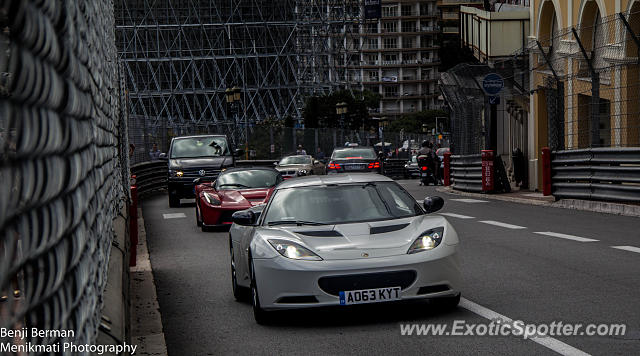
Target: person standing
301,150
320,154
154,154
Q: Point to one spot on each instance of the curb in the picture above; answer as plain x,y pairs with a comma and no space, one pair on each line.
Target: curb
146,321
575,204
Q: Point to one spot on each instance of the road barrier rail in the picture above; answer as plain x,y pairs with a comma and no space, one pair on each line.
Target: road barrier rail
608,174
466,172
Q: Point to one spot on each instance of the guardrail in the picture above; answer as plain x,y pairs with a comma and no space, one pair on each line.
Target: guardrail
466,172
610,174
394,167
150,176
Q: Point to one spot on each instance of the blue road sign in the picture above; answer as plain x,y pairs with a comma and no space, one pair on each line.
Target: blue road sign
492,83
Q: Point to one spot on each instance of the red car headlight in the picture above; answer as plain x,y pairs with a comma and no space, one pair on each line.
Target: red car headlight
211,199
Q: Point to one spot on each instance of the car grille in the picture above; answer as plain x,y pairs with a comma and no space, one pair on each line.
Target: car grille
289,173
195,172
335,284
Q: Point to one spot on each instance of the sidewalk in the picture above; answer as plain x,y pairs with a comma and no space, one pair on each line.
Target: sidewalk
536,198
146,321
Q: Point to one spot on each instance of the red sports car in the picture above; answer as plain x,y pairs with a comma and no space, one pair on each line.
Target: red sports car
235,189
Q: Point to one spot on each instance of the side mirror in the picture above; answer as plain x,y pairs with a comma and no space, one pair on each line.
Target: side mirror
316,162
244,218
163,157
433,204
238,152
275,163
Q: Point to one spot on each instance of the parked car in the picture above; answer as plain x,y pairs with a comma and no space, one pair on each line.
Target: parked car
411,169
235,189
342,240
192,157
299,165
354,158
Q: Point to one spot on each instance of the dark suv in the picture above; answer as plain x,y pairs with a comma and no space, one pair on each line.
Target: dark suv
192,157
354,159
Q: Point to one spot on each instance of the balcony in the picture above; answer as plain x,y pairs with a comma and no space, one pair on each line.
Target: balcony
450,16
450,29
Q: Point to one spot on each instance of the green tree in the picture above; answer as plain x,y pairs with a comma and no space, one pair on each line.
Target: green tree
320,110
412,123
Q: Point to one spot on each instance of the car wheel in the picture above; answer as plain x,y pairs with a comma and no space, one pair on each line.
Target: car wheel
174,201
198,219
446,303
237,290
260,315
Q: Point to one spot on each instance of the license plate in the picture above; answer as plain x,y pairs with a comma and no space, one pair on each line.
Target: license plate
369,295
353,167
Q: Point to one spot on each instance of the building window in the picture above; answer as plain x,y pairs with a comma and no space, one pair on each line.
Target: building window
373,76
371,27
390,90
372,43
408,42
389,11
406,10
391,58
408,26
389,27
391,43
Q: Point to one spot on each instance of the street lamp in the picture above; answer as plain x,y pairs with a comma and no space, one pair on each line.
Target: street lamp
234,95
341,109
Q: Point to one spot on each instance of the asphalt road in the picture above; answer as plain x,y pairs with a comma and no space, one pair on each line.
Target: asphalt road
508,269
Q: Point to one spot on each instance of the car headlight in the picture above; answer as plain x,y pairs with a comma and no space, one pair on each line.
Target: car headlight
211,199
176,173
428,240
302,172
294,251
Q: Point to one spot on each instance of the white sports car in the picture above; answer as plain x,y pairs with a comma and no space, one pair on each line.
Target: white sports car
342,240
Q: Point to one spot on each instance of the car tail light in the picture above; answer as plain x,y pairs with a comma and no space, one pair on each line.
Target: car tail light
424,168
374,165
333,165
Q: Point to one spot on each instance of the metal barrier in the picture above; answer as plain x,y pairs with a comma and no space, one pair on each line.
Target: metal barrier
63,166
466,172
394,167
610,174
150,176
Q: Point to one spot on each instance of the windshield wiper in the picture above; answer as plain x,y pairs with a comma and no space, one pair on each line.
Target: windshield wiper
234,185
297,222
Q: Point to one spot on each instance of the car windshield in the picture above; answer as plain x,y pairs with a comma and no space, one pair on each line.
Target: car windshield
356,153
194,147
248,179
340,204
296,160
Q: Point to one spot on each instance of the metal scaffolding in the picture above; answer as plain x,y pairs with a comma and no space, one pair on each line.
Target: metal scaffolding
180,56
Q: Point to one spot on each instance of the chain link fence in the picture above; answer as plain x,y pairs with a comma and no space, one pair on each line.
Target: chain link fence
64,164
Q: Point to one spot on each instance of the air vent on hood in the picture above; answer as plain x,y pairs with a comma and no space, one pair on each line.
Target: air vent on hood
386,228
321,233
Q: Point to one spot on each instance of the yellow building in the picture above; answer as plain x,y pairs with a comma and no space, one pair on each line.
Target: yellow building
562,79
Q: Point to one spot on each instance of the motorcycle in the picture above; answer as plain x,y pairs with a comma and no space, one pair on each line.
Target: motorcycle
427,174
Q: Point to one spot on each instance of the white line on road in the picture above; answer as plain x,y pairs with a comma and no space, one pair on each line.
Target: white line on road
547,341
501,224
565,236
174,216
628,248
457,216
470,200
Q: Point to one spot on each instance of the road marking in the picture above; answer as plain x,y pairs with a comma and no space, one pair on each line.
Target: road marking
470,200
547,341
501,224
628,248
457,216
565,236
174,216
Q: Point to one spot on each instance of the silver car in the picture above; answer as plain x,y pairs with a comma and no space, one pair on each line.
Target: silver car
298,165
342,240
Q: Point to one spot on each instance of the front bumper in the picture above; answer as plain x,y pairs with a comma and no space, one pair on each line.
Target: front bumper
279,279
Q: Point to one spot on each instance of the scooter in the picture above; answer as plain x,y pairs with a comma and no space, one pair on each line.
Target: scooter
427,175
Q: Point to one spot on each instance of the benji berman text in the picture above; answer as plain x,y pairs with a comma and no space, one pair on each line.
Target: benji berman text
25,333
